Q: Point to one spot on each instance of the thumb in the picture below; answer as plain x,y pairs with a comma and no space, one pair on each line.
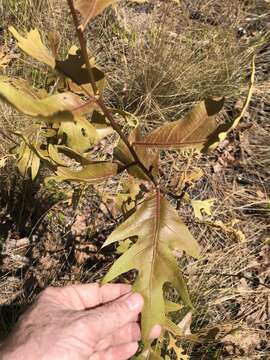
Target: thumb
107,319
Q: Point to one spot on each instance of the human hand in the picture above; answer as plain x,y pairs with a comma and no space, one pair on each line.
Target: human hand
79,322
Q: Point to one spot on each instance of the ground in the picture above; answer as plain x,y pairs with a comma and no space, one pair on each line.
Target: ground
159,60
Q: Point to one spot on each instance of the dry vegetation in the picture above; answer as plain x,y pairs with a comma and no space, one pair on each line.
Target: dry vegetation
159,60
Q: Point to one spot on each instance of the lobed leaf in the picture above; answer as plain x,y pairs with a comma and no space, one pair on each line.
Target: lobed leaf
160,231
148,158
90,9
91,173
190,132
29,102
33,46
73,66
80,135
202,205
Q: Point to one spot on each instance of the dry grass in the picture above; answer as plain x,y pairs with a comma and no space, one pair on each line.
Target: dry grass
165,61
159,61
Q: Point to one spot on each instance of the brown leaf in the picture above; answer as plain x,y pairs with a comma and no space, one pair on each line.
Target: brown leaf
190,132
159,230
91,8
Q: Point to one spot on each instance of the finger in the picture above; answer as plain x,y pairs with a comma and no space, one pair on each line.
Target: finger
106,319
81,297
126,334
155,332
121,352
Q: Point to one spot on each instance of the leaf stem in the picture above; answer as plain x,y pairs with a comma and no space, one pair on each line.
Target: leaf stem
99,100
83,45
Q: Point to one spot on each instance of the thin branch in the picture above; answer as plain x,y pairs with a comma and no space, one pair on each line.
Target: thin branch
83,45
98,100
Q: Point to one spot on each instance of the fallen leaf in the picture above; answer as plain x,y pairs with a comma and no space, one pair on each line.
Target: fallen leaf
200,206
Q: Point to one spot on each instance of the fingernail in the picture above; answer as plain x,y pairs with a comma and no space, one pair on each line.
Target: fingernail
155,332
135,302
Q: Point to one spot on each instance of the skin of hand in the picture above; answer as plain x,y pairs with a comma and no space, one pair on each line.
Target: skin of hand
79,322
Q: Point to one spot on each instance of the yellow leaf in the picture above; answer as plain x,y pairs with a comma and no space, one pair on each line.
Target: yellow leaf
80,135
202,205
27,159
189,177
229,228
28,101
54,155
178,350
33,46
171,306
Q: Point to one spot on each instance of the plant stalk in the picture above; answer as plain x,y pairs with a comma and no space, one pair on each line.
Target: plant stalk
99,100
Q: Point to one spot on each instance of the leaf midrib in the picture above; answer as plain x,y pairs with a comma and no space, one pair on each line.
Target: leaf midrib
155,238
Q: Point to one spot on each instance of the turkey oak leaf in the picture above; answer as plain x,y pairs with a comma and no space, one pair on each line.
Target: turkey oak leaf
80,135
160,231
190,132
28,102
90,9
27,160
33,46
92,173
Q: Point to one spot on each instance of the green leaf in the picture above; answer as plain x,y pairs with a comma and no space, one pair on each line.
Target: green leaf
92,173
159,231
190,132
33,46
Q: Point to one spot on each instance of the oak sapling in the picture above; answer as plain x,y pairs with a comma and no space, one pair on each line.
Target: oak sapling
65,123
